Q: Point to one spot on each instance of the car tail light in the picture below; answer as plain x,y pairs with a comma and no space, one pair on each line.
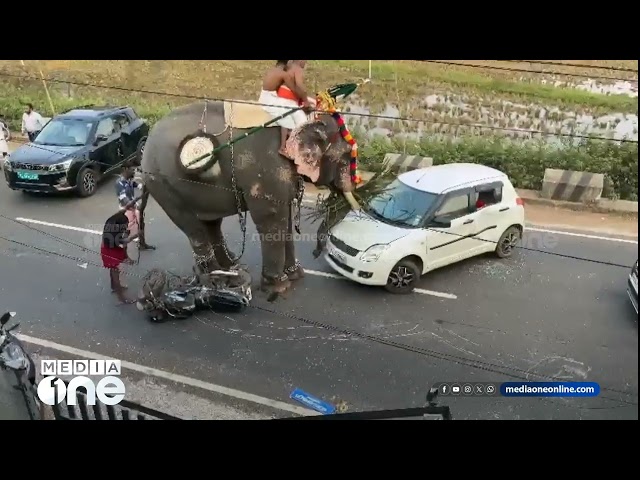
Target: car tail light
519,201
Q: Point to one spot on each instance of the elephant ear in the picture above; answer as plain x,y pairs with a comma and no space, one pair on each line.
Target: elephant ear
306,146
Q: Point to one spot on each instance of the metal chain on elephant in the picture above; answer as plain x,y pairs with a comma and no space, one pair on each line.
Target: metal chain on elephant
298,200
241,218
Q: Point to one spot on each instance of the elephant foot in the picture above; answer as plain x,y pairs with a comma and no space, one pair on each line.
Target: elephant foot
275,286
295,272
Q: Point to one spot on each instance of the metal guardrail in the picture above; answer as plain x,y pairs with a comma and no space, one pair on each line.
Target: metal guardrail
125,410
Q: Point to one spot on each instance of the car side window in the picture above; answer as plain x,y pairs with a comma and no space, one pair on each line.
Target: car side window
454,207
105,127
487,195
121,121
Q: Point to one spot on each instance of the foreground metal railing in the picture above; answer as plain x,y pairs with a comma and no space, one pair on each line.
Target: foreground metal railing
125,410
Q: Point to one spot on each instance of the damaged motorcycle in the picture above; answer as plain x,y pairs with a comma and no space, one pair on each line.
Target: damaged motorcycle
165,295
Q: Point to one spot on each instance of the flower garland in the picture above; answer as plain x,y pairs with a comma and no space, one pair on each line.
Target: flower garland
327,103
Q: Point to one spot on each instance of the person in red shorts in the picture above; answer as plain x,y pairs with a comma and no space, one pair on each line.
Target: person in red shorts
113,250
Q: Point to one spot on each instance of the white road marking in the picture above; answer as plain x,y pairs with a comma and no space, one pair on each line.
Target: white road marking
416,290
310,272
582,235
57,225
192,382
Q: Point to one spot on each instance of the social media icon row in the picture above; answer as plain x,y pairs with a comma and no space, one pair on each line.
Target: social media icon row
467,389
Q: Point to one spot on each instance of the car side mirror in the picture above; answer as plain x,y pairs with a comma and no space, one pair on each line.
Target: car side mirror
100,139
438,223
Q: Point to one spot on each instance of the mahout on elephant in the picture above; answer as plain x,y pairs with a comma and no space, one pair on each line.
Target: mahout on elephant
197,189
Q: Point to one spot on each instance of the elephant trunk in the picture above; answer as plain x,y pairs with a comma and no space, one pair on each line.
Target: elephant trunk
351,199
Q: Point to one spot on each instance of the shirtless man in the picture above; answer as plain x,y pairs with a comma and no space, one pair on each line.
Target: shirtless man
283,88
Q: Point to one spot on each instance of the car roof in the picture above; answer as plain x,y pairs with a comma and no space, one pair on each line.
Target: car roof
439,179
90,112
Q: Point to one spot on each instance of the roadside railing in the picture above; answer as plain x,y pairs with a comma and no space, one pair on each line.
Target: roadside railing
125,410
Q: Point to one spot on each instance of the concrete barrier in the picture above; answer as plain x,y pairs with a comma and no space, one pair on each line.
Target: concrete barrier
567,185
404,163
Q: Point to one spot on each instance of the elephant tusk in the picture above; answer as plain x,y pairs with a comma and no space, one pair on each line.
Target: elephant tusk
352,200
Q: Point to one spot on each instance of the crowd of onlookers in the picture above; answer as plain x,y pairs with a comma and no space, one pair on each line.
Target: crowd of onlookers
32,123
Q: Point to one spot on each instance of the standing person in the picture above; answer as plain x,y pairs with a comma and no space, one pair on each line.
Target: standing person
32,122
130,204
113,250
282,90
5,136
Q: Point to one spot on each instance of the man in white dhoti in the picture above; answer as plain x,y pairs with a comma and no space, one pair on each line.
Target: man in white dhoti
283,90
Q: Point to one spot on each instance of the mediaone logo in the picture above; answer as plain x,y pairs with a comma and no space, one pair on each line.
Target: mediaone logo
109,390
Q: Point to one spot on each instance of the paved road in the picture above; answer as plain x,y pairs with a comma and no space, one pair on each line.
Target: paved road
530,316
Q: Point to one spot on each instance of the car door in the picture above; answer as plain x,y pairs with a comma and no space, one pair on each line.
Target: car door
446,245
107,145
490,215
128,135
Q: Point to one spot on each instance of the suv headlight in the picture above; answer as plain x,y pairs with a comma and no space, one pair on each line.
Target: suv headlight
372,254
62,166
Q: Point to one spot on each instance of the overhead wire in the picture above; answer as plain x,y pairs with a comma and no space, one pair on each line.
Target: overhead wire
577,65
354,114
512,372
229,189
523,70
321,325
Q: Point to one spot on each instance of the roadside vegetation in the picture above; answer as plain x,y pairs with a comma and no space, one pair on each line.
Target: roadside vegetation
403,83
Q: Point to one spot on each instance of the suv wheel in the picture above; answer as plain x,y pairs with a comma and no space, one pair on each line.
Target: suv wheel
140,149
508,242
87,182
403,277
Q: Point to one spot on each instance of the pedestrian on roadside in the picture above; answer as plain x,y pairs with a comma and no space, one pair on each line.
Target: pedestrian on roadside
130,204
113,251
5,136
32,122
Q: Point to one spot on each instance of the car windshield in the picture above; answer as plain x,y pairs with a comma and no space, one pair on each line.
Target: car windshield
400,204
65,132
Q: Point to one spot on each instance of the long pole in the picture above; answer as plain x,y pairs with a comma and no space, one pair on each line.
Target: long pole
46,89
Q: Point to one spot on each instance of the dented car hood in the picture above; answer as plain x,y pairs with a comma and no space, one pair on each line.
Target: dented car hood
360,230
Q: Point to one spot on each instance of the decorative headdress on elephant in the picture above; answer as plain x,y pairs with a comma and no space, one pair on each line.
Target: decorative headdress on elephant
309,145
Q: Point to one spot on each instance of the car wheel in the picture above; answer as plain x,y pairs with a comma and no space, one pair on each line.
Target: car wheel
403,277
508,242
87,182
140,149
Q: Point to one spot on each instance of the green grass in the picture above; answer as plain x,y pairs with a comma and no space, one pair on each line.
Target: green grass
402,82
523,161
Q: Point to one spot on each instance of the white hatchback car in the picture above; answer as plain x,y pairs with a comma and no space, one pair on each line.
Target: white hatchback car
427,219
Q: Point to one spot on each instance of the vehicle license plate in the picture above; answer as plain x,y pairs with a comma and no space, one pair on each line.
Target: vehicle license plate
338,255
28,176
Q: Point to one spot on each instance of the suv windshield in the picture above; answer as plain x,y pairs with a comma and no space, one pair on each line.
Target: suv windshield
400,204
65,132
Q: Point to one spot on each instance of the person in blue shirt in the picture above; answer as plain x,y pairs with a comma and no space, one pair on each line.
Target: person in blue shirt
130,204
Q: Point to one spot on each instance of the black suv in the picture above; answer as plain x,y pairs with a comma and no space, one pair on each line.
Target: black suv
75,149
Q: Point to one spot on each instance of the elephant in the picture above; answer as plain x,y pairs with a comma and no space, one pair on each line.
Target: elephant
198,198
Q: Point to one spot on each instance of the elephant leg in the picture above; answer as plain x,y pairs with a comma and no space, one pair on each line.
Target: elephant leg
143,206
219,245
192,227
271,222
292,266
